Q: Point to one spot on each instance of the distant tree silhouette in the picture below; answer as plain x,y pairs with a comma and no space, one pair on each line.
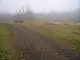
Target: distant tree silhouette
30,14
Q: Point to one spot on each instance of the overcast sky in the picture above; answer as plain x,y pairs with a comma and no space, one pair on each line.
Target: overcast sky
39,5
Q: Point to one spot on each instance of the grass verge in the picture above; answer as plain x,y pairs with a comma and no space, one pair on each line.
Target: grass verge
7,51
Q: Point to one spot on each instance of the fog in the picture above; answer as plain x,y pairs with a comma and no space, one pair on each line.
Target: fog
40,10
39,5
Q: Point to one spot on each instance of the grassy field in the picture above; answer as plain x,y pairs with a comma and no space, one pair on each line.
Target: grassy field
66,33
7,51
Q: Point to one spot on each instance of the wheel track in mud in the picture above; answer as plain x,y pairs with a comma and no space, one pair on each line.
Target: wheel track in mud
33,46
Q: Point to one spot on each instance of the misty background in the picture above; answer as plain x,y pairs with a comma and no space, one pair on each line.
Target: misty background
56,10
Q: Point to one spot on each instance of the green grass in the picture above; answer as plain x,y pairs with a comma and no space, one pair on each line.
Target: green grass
6,48
66,33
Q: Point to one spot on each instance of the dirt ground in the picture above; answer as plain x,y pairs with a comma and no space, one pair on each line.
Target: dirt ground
30,45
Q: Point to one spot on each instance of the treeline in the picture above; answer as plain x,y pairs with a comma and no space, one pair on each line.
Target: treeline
29,15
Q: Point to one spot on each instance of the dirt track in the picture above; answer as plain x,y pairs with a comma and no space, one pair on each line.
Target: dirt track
30,45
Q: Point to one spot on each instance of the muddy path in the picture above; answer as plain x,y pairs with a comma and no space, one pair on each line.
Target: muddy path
30,45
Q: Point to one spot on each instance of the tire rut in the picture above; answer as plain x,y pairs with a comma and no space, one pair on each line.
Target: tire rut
33,46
